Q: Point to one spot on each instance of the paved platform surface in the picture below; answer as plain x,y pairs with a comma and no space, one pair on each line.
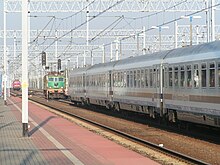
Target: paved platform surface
55,140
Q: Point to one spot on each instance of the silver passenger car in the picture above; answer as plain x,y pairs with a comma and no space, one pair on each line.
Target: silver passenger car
179,85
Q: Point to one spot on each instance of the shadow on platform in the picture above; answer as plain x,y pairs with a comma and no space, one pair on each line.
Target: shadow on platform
40,125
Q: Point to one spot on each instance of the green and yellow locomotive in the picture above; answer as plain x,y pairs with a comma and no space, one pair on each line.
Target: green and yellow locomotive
54,85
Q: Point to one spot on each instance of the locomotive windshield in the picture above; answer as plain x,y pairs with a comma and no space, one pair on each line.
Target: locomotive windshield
50,79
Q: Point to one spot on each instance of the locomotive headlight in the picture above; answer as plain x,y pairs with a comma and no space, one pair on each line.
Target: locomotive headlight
61,87
49,87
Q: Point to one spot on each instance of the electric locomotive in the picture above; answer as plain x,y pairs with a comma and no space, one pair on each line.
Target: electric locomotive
54,85
16,85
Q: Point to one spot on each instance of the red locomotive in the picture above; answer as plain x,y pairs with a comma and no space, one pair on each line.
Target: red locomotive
16,85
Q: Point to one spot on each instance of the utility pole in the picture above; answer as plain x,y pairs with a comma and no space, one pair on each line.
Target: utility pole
144,40
25,67
5,56
212,20
175,34
14,55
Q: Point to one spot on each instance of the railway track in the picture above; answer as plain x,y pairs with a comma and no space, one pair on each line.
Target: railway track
170,153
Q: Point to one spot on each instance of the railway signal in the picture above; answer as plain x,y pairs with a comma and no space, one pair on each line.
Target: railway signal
59,64
44,57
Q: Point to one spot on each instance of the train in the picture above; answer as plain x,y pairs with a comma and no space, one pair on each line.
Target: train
178,86
16,85
54,85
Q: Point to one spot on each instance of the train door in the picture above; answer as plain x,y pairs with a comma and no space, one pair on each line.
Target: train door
109,86
158,75
84,84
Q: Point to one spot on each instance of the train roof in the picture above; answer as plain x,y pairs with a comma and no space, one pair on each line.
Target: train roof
194,53
78,71
197,52
102,67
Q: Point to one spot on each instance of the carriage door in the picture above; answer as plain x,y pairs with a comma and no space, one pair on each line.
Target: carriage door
84,83
109,86
158,76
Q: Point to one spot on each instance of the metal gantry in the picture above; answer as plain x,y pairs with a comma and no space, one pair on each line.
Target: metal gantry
100,5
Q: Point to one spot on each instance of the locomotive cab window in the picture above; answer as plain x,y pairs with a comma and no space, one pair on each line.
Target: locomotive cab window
60,79
50,79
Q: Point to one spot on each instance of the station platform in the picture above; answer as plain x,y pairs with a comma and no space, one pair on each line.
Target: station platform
55,140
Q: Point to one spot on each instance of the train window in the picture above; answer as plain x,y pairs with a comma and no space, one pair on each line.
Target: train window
119,79
196,76
182,76
203,68
151,77
96,80
114,79
142,78
138,78
176,79
170,77
122,79
131,79
93,80
154,78
128,79
125,79
211,75
135,79
219,74
101,80
146,77
189,76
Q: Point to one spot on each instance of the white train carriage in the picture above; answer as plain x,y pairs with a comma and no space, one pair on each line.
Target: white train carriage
178,85
76,84
134,84
192,84
99,84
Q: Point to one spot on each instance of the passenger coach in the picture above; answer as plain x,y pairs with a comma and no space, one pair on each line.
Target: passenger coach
178,85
